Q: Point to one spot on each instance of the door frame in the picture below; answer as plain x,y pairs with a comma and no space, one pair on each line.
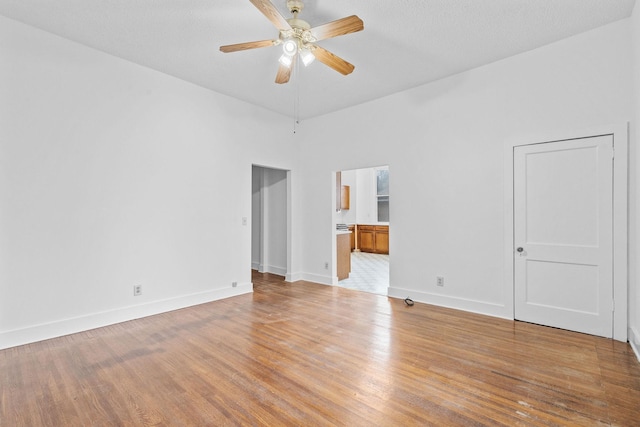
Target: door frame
264,222
620,134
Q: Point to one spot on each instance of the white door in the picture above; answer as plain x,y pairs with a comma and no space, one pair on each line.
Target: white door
563,220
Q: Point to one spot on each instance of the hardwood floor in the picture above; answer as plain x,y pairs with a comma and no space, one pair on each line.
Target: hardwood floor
313,355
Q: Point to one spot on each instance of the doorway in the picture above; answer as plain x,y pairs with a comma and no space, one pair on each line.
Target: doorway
363,208
270,221
563,232
567,227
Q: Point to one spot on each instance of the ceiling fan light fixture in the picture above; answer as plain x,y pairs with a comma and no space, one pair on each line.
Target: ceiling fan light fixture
298,37
290,47
286,60
307,57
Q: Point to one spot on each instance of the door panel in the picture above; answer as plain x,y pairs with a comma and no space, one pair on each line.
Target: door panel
562,204
366,243
382,242
563,225
557,285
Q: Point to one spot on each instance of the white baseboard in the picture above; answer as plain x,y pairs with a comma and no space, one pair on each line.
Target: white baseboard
317,278
96,320
473,306
280,271
634,341
293,277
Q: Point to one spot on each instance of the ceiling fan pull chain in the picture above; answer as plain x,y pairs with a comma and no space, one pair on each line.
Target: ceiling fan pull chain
296,96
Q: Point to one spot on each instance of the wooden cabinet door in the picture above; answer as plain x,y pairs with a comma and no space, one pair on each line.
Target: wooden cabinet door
344,256
367,242
338,190
382,239
382,242
345,197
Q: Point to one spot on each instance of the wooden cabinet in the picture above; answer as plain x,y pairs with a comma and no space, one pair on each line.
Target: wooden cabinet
343,255
382,239
338,190
343,194
373,238
345,197
352,229
366,238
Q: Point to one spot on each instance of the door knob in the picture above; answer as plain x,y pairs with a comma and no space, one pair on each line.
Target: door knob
520,249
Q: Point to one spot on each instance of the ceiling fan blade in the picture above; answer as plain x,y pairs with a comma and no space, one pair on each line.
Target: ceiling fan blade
333,61
350,24
269,10
246,46
284,73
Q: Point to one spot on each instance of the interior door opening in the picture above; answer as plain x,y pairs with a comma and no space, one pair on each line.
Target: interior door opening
270,221
362,218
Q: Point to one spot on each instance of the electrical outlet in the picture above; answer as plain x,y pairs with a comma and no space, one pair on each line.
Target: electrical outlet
234,284
326,265
137,290
439,280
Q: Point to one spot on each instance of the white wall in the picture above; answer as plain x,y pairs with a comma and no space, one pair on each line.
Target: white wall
112,175
274,223
366,213
634,187
367,196
444,144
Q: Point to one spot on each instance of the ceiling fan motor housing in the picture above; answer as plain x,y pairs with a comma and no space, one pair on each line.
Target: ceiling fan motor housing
295,6
299,23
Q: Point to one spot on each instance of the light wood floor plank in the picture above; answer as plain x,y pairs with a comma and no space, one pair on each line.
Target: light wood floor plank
307,354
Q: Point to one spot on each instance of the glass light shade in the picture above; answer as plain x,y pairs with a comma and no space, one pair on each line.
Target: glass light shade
290,47
285,60
307,57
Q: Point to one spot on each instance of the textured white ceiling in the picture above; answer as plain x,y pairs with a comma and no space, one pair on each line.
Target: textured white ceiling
405,43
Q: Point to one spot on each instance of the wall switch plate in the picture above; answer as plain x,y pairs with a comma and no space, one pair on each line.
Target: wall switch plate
137,290
439,281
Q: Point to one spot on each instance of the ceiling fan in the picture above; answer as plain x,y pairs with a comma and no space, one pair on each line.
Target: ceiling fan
299,39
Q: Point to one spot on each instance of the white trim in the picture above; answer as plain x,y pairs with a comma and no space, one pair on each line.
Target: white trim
63,327
287,272
634,342
456,303
280,271
317,278
293,277
620,134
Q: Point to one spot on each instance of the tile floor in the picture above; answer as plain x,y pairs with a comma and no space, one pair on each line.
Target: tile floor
369,273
